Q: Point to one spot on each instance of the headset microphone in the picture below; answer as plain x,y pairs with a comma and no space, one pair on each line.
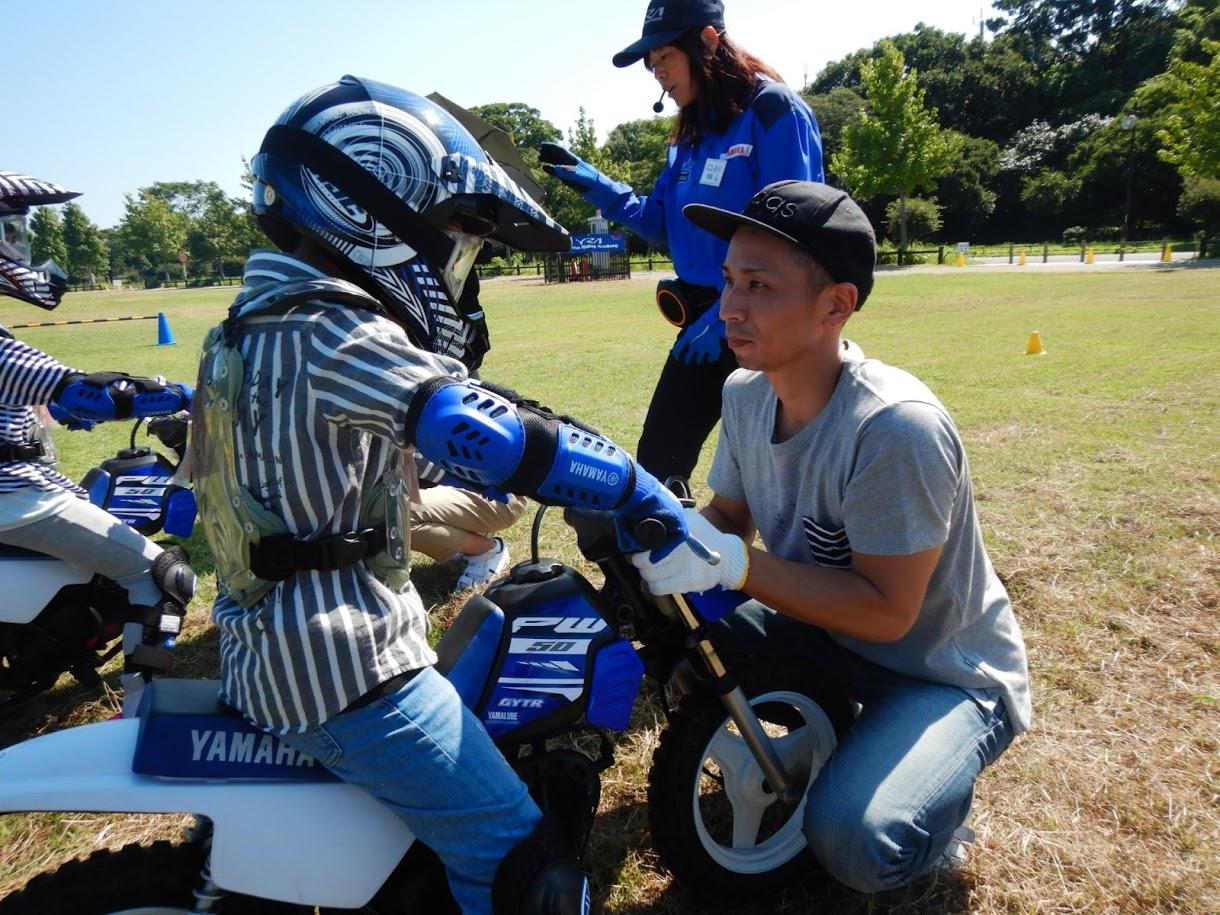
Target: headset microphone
657,106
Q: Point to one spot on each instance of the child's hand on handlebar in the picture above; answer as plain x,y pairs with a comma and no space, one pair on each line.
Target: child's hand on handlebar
650,518
684,571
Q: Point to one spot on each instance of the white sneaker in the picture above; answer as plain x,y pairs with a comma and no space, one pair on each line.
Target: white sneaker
484,567
954,856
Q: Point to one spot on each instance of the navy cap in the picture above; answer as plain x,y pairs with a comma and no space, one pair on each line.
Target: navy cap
821,219
668,20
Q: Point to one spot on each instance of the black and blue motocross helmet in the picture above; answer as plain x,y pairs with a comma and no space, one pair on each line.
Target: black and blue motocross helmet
46,284
390,183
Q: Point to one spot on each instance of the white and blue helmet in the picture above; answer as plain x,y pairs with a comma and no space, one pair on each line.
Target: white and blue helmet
392,185
44,285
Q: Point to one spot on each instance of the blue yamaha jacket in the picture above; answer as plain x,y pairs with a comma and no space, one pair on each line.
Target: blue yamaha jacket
775,138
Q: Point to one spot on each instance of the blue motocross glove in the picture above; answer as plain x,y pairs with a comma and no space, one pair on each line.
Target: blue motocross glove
569,168
649,499
703,340
68,421
102,396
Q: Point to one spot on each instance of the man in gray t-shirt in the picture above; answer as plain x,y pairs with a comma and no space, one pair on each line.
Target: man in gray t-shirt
854,476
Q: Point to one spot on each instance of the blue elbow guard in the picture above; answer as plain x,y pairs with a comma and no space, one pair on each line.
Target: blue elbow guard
484,438
474,435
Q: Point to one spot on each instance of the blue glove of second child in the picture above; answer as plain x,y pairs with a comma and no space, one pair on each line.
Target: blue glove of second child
703,340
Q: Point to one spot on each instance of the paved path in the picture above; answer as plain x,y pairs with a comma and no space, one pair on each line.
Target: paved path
1063,263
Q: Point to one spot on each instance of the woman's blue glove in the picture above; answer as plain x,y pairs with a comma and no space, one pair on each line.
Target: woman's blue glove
649,499
569,168
703,341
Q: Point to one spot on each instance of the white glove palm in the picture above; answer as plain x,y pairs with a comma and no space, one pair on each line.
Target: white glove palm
683,572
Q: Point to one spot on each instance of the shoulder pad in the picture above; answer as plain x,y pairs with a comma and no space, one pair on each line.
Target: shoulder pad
771,102
281,297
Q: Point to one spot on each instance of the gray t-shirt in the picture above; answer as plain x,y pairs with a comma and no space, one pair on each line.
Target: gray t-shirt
881,471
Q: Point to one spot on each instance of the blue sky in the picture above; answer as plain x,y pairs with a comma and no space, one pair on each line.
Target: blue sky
106,96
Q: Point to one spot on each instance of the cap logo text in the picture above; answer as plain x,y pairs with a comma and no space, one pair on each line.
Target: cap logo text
654,14
780,207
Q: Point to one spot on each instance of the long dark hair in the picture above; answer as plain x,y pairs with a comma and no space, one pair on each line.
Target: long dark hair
725,79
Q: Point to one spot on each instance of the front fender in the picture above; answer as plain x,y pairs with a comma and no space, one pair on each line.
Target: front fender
325,844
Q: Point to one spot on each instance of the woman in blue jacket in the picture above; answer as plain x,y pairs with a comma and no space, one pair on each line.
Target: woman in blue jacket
738,129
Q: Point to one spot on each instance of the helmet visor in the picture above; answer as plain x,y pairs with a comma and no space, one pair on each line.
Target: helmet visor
466,250
15,237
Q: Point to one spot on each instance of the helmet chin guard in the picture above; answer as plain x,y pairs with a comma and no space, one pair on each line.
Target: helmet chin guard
391,185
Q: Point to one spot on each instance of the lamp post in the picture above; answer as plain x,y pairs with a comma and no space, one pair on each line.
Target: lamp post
1128,124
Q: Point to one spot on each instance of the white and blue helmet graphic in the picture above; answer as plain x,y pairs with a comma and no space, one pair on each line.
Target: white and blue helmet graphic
45,284
392,184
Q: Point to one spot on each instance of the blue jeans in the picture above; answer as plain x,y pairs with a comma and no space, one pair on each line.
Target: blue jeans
885,806
421,752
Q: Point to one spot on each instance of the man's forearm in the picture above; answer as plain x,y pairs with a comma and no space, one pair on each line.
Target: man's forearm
838,600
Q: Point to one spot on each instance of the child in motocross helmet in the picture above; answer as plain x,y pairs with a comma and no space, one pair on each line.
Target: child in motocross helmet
340,356
42,510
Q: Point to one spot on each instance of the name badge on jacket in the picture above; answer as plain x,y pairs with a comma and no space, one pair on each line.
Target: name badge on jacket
713,172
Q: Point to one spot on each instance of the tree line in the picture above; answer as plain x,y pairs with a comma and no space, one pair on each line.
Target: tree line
1093,119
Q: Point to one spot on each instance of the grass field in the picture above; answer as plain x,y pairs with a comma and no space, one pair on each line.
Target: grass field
1096,473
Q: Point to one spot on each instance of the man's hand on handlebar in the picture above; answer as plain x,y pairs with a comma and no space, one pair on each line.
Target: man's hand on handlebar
710,557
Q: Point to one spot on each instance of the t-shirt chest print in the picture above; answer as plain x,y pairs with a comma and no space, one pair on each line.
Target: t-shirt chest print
828,547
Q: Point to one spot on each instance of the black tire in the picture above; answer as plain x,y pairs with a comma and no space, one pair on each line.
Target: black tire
157,879
689,812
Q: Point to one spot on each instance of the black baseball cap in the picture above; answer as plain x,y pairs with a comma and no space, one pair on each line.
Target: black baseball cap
668,20
821,219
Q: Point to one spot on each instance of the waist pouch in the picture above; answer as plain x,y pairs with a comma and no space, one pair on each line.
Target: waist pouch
681,302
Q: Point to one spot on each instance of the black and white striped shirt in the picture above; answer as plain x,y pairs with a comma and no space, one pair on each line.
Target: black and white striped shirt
27,379
323,408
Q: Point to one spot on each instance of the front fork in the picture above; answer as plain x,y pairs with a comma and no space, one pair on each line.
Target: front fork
737,705
208,896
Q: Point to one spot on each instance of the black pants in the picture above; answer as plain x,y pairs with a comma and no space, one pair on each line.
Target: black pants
685,408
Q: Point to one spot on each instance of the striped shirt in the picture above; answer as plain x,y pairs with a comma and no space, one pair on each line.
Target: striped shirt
323,409
27,379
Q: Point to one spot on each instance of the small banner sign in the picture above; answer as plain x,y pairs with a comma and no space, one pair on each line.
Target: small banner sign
615,241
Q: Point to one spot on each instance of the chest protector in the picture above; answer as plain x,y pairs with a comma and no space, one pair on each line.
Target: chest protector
234,519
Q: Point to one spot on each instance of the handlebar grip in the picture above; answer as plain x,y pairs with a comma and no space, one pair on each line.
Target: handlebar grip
650,533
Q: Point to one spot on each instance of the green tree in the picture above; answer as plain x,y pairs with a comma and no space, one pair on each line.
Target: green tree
922,218
635,152
153,232
87,254
48,240
1048,194
834,110
1200,206
967,193
1191,135
525,126
218,232
1092,53
982,88
896,146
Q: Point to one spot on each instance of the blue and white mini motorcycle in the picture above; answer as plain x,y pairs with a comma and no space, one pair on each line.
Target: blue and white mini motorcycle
550,664
56,617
